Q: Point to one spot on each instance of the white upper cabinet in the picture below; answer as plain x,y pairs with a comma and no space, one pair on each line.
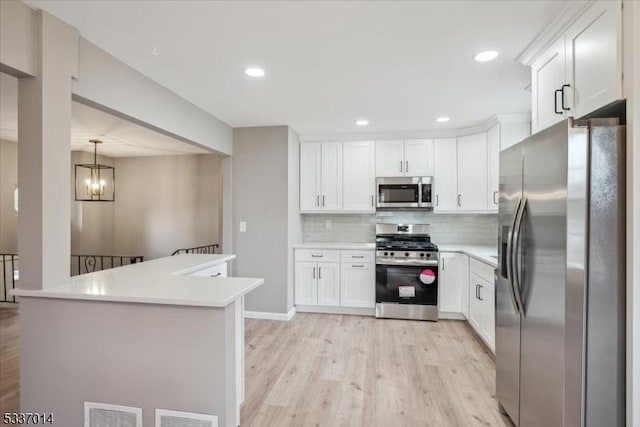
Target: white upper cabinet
404,158
582,70
418,157
472,173
547,78
331,197
320,176
359,176
310,172
389,158
593,58
445,180
493,165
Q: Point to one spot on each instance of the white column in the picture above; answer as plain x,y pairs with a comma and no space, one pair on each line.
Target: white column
44,159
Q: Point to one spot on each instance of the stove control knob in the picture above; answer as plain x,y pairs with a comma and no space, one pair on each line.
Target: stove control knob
406,254
421,254
386,253
429,255
392,254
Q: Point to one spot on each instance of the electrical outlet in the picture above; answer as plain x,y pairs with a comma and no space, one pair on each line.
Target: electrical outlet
327,224
243,226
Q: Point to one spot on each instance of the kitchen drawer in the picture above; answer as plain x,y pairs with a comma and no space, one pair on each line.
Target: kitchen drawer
219,270
358,256
320,255
481,269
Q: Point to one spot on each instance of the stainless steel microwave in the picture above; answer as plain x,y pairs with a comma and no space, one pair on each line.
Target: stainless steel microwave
404,192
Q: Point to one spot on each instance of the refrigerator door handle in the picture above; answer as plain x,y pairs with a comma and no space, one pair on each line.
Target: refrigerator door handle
517,289
509,255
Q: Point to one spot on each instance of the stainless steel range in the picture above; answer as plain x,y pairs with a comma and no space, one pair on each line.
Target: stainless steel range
406,272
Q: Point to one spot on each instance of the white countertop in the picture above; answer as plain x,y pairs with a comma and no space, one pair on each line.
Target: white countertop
328,245
159,281
481,253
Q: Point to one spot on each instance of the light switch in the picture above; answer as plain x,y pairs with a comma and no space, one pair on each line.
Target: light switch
243,226
327,224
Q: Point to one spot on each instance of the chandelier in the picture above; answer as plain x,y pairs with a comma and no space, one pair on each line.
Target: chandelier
95,182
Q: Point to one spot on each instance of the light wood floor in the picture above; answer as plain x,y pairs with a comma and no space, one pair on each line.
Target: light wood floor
333,370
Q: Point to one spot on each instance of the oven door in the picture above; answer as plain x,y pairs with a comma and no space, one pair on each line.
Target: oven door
407,284
398,192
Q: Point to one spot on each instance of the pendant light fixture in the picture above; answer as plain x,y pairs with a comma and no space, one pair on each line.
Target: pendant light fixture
95,182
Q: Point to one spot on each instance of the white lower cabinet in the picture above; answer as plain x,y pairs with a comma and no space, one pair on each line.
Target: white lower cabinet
335,278
329,284
317,283
357,285
453,280
482,301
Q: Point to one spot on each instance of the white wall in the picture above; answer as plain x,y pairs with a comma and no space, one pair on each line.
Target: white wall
260,183
8,180
295,220
109,84
166,203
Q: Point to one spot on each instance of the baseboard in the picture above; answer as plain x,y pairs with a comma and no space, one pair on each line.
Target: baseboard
8,305
265,315
450,315
336,310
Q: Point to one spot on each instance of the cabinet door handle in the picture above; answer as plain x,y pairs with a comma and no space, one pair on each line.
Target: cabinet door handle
480,292
459,200
443,263
562,97
216,275
314,272
555,101
323,201
400,165
406,166
477,291
372,200
495,193
319,272
318,201
357,266
437,200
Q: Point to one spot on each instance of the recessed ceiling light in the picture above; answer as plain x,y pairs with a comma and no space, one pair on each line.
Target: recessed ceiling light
487,55
362,122
442,119
254,72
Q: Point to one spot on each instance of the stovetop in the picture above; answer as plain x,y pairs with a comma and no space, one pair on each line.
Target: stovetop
405,245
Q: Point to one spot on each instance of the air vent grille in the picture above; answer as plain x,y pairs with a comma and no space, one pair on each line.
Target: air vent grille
167,418
106,415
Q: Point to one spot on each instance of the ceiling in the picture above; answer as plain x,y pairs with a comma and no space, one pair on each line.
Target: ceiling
398,64
121,138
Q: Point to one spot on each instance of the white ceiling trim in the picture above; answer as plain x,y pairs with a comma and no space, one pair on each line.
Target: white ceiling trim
552,31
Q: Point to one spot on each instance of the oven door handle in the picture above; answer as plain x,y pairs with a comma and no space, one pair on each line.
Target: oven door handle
433,263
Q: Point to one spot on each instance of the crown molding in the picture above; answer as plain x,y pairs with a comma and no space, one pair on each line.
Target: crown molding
419,134
552,31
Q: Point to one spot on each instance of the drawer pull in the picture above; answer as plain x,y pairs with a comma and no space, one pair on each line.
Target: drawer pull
357,265
316,256
216,275
357,256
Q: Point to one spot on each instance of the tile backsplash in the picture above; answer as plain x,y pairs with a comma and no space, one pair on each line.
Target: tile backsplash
471,229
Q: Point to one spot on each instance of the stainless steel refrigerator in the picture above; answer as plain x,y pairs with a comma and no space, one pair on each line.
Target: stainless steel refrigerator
560,281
